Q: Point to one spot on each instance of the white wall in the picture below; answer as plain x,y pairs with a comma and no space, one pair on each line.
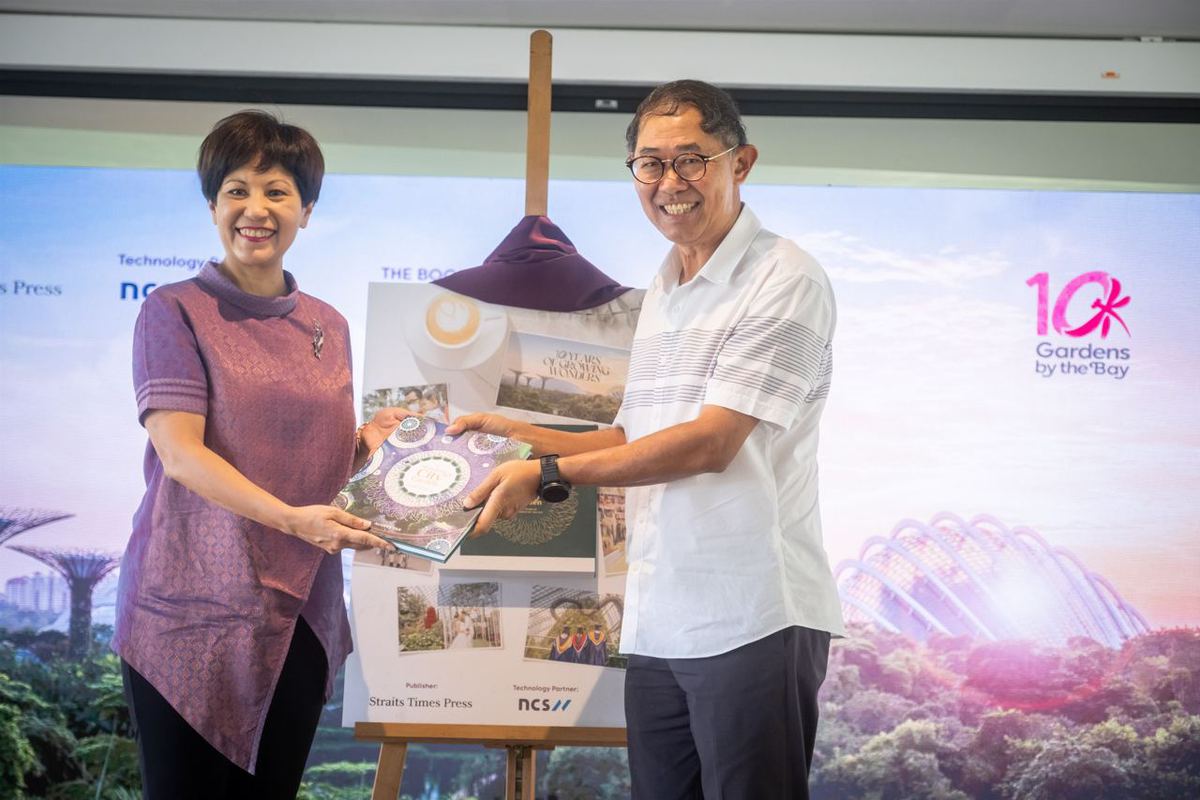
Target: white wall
1114,156
1156,157
777,60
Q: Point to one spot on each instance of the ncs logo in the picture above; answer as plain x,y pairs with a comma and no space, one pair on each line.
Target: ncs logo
1106,305
541,704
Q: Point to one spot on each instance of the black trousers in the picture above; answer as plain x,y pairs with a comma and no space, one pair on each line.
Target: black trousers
736,726
177,764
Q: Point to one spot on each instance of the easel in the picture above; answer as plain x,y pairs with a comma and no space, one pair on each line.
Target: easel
520,741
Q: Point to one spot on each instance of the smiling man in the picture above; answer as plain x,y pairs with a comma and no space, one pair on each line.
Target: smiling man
730,603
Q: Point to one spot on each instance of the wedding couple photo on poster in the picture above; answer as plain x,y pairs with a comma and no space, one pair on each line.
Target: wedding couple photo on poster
570,626
449,617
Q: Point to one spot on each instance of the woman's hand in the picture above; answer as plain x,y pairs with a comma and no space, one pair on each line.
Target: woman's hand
178,437
381,426
332,529
372,434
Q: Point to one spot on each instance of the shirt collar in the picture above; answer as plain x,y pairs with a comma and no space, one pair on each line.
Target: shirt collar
720,265
215,281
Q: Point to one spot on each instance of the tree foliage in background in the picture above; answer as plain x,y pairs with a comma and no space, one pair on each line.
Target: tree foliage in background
587,773
72,719
949,718
953,718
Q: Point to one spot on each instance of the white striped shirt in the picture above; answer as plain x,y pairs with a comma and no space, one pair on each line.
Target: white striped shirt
717,561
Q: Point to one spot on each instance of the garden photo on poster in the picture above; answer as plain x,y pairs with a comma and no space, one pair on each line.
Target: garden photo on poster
563,377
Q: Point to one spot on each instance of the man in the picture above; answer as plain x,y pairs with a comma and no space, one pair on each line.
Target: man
729,602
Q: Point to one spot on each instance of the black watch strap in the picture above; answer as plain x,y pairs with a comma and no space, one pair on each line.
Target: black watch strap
553,488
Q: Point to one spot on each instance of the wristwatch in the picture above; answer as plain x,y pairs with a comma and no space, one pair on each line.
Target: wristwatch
553,488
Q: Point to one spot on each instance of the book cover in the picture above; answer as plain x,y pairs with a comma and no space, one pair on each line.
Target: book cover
562,377
412,487
545,530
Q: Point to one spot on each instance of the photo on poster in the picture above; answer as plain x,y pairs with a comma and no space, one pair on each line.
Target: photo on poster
450,331
421,626
571,626
429,400
563,378
610,512
544,530
471,615
392,559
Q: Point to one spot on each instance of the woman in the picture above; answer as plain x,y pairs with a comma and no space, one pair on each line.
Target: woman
230,620
461,631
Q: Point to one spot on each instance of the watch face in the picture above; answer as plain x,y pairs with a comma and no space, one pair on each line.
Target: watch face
555,492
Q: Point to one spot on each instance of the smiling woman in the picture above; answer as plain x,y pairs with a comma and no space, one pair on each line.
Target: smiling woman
261,179
230,620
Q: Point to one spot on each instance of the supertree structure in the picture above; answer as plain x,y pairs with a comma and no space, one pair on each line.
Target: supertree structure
982,579
82,570
14,521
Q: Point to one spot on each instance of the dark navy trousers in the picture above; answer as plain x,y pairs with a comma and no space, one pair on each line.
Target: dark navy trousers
735,726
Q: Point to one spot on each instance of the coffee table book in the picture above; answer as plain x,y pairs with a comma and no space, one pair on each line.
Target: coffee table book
412,487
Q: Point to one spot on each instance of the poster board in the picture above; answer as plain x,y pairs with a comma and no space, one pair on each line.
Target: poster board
522,630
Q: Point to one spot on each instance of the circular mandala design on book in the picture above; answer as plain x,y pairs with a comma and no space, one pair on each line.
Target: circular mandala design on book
343,501
427,479
482,444
438,546
539,522
413,432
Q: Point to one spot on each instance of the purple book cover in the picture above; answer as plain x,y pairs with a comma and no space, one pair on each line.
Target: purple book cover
411,488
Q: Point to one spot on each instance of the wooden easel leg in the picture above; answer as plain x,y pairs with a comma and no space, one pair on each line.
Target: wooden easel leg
521,773
390,771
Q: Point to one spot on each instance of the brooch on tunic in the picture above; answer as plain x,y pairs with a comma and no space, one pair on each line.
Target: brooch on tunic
318,340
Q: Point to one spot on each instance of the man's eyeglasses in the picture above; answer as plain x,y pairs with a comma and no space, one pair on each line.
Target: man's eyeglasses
689,166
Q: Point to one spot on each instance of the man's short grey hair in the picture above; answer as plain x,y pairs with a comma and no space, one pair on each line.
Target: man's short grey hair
719,115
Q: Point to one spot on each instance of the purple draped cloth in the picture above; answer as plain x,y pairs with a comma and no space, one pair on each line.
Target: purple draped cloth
536,266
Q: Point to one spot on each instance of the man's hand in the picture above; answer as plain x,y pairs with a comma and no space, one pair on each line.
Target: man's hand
332,529
508,489
485,423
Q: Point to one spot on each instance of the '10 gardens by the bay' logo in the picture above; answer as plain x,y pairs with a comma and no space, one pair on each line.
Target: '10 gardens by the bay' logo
1084,358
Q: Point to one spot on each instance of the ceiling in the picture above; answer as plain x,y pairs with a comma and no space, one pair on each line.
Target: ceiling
1171,19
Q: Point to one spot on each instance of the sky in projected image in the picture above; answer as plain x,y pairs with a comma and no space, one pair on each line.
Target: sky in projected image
937,403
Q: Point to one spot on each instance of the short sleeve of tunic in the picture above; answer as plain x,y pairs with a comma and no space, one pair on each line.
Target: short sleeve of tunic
778,356
168,373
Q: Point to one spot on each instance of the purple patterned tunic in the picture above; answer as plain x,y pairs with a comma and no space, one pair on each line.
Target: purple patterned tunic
208,599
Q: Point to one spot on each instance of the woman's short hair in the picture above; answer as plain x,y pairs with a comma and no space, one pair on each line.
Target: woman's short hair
260,138
719,115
